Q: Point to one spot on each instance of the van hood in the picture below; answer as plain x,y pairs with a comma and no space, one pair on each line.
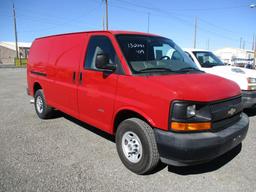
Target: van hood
197,87
230,70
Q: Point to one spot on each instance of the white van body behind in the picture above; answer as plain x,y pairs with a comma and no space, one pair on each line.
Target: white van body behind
245,78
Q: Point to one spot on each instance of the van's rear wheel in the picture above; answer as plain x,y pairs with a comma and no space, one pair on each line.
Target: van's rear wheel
42,109
136,145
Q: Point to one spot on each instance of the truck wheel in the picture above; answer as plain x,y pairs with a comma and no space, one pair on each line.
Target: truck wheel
42,109
136,145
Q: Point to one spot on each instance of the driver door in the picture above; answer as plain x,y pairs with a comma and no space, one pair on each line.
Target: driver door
97,88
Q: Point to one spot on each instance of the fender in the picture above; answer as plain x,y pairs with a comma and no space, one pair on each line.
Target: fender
133,109
33,86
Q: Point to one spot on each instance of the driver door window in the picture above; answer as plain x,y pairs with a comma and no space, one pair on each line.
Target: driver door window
97,45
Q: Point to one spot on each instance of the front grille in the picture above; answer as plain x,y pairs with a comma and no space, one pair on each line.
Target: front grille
224,123
226,113
250,94
226,109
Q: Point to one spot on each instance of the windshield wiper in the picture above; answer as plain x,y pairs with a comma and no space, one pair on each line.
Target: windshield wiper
188,69
155,69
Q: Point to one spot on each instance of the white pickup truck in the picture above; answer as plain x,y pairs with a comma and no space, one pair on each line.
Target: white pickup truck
245,78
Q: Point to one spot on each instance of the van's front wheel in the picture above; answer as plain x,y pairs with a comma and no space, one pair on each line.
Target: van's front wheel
42,109
136,145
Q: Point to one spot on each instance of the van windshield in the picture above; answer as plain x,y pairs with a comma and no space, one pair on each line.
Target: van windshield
152,54
207,59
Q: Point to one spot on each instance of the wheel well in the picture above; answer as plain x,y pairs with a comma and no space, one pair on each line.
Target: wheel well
36,87
126,114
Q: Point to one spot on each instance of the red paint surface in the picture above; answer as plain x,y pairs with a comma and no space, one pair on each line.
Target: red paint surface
99,98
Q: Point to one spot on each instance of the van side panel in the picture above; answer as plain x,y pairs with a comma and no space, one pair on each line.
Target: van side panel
65,58
37,64
53,64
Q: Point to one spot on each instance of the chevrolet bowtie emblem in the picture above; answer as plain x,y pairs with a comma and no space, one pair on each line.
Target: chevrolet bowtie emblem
231,111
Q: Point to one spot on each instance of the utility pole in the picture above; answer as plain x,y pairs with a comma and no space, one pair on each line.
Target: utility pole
15,32
195,32
244,44
254,51
255,44
253,40
208,44
148,21
103,22
241,39
106,1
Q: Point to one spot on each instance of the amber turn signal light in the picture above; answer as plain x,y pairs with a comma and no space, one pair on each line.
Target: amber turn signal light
177,126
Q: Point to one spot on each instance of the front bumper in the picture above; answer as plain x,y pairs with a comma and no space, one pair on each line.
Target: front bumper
249,99
181,149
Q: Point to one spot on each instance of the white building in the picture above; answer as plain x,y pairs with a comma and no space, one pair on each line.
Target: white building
8,51
235,56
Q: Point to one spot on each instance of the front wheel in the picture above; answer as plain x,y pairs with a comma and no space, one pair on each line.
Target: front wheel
136,145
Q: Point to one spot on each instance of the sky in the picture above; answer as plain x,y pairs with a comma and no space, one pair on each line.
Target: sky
220,23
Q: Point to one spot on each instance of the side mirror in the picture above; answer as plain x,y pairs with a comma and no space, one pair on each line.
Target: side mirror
102,62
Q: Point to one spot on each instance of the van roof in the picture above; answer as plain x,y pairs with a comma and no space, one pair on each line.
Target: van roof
103,31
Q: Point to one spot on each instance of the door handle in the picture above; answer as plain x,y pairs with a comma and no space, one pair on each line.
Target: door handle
74,77
80,77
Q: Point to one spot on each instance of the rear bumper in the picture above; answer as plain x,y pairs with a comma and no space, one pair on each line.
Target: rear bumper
249,98
181,149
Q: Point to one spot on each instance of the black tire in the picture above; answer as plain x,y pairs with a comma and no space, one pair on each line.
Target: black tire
46,111
150,156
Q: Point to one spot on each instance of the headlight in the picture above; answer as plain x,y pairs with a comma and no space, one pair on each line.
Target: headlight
191,111
251,80
189,116
237,70
251,87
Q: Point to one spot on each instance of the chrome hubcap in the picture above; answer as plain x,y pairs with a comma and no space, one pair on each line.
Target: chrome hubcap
132,147
39,104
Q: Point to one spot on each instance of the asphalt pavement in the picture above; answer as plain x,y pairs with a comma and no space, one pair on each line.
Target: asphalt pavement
64,154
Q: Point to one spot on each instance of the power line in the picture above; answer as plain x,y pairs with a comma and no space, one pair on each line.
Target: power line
184,21
48,19
126,8
134,7
134,10
63,23
161,11
217,34
216,26
188,9
41,13
6,15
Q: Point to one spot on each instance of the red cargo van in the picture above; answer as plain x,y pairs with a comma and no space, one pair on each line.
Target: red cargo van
159,106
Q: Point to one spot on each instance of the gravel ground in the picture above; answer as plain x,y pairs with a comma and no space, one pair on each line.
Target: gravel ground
63,154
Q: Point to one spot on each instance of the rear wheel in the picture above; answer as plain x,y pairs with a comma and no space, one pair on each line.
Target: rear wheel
42,109
136,146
